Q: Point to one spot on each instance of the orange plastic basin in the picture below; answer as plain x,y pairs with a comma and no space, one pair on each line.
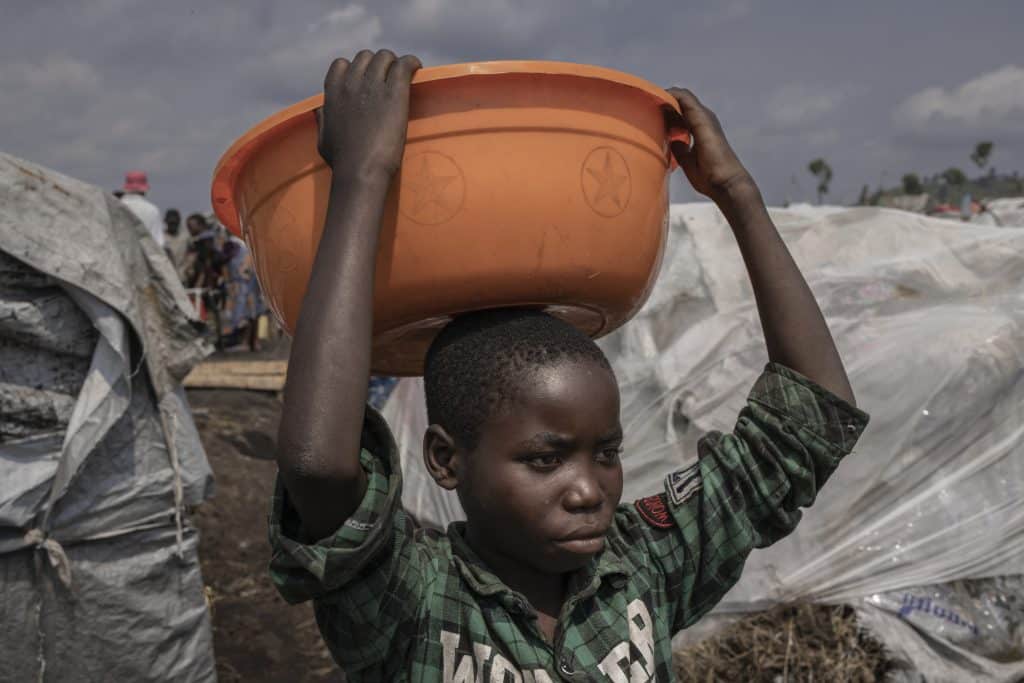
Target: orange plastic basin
522,184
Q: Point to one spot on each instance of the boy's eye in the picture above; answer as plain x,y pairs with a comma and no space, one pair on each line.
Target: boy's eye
610,456
545,461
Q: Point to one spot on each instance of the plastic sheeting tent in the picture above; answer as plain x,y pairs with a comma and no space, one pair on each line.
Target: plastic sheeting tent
98,452
1005,212
929,318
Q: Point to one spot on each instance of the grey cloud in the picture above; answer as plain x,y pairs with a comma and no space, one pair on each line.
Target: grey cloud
293,67
98,86
988,104
726,11
798,105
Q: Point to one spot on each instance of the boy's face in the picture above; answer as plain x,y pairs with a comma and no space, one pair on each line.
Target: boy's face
542,484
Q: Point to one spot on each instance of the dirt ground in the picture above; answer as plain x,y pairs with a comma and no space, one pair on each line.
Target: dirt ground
257,636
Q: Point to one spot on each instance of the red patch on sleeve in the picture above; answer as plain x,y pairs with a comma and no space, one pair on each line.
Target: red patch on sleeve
654,510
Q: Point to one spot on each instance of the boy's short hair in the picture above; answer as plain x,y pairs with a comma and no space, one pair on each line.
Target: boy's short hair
474,363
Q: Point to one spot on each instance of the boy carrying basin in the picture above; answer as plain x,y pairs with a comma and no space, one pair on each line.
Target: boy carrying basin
550,577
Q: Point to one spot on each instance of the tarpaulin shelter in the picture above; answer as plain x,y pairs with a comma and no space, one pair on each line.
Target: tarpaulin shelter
1004,212
921,529
99,456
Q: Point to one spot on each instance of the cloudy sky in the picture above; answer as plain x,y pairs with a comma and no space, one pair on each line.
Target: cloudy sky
94,87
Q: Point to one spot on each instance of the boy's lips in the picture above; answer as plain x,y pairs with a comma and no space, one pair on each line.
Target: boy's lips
582,546
583,542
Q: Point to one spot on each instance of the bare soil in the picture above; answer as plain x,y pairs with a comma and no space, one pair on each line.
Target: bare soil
257,635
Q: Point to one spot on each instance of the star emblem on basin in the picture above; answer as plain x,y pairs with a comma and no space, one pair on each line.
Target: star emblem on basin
606,181
433,188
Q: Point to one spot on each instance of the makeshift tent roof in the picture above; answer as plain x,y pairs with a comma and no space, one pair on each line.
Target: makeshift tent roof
929,318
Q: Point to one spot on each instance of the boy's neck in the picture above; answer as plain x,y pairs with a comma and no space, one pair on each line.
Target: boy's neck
545,591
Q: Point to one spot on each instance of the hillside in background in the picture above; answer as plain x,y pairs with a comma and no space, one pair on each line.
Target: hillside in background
941,191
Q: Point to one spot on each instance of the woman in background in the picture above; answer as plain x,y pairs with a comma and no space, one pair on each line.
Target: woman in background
243,304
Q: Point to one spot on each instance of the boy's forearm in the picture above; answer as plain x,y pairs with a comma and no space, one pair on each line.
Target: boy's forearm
325,394
794,328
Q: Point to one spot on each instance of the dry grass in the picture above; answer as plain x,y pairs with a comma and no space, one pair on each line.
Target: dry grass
800,643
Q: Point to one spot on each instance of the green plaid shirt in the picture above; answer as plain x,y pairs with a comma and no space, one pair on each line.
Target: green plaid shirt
399,603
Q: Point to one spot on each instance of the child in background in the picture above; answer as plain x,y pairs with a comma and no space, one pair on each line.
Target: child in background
549,578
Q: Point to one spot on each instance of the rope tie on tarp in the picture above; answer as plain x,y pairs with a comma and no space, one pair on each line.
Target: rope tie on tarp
179,493
38,539
54,553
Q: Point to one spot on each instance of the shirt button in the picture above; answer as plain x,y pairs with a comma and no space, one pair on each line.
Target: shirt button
566,667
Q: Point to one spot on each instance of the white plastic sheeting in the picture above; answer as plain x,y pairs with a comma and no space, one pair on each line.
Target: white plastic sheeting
929,319
1006,212
98,568
970,630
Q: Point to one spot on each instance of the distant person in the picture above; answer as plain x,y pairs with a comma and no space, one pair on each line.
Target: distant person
176,241
243,304
207,261
136,185
207,267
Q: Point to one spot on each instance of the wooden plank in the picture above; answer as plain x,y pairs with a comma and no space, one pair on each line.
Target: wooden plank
259,375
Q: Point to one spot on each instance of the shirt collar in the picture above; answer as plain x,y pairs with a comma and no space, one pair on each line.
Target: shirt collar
607,565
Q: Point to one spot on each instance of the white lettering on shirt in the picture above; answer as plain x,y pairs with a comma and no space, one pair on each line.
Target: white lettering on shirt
500,667
641,634
482,652
469,671
614,665
618,665
465,672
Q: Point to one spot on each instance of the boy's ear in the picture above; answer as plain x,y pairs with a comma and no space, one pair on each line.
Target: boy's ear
441,457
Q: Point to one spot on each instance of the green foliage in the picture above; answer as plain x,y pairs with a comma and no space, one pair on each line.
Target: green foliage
912,184
981,153
865,196
954,176
952,184
820,169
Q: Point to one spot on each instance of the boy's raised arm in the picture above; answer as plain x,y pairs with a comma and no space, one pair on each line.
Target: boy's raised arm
362,135
794,328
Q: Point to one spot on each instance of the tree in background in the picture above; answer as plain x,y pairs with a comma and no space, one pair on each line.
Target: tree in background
954,176
912,184
865,196
981,153
820,169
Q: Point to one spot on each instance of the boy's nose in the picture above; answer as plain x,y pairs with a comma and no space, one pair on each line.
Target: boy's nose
585,493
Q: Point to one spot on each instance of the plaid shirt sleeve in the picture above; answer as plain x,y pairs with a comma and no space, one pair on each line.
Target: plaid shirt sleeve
367,579
746,488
